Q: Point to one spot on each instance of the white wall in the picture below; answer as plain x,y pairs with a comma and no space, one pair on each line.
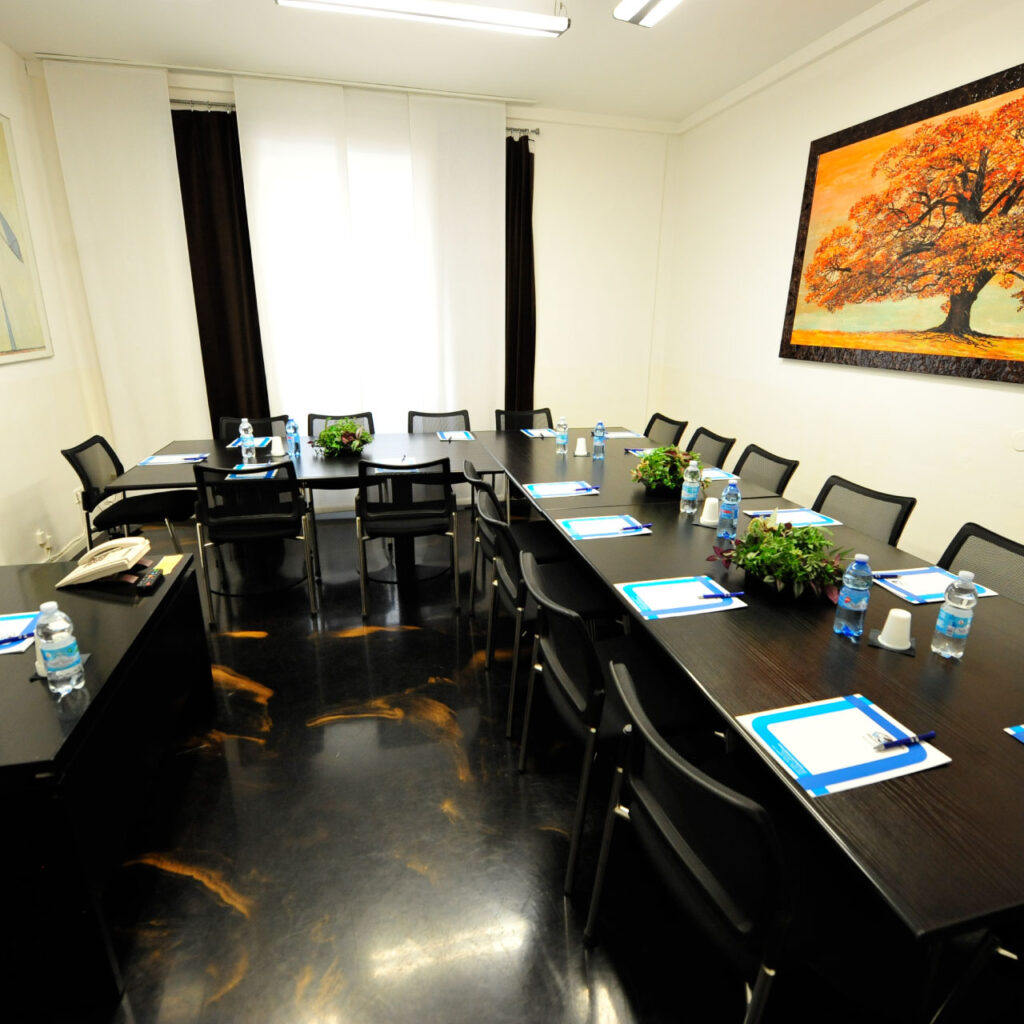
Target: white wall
734,188
47,404
597,215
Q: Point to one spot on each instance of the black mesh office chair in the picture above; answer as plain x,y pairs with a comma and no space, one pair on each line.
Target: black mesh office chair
429,422
416,500
713,448
665,431
758,465
568,659
316,421
875,513
97,464
262,426
238,506
995,560
520,419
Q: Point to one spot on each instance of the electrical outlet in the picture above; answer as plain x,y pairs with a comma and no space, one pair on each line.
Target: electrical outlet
76,496
42,538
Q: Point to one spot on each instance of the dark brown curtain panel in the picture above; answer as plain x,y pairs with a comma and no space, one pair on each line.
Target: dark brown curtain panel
520,297
210,172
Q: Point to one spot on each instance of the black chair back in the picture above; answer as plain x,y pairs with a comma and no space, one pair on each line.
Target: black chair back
758,465
664,431
429,422
995,560
713,448
239,505
316,421
520,419
415,498
97,465
262,426
875,513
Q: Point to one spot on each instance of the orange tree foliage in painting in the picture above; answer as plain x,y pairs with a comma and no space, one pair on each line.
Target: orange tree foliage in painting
949,221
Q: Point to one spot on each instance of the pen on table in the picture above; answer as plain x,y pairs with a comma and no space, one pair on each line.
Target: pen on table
886,575
906,741
588,488
762,515
8,640
721,597
639,526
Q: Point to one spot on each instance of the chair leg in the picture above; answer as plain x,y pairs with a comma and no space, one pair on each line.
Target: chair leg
88,526
759,997
361,551
492,612
174,536
472,575
515,673
581,810
309,546
590,928
524,735
454,536
204,571
315,535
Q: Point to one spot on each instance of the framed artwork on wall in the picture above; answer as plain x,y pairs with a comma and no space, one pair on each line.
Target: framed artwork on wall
910,250
23,332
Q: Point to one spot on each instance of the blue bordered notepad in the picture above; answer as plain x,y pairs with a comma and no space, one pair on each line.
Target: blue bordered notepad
612,434
683,595
922,586
455,435
1016,731
562,489
713,473
829,745
537,431
591,527
637,451
17,625
257,442
173,460
796,516
266,475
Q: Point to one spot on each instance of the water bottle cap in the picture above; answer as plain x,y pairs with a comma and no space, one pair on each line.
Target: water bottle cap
47,607
860,558
966,575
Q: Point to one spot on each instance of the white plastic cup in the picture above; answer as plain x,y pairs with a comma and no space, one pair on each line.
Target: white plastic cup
709,514
581,446
277,447
896,632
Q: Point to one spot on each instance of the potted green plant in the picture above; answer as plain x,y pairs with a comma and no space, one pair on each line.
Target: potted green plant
342,437
790,559
661,469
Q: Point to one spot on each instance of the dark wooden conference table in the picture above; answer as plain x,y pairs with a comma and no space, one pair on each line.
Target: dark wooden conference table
945,847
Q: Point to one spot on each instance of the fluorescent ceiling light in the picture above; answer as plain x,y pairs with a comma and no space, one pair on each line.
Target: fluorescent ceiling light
644,12
493,19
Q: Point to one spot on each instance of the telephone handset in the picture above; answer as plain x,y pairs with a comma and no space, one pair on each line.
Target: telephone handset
108,559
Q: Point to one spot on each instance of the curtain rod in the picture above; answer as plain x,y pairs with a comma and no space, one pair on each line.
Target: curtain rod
521,131
207,105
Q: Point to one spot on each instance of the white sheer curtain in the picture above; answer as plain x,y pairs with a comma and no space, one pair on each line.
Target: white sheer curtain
377,225
116,144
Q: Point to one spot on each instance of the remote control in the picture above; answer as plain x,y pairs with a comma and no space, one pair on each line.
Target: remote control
150,581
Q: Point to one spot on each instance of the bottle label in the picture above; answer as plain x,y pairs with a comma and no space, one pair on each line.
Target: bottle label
854,600
57,658
730,511
955,624
691,489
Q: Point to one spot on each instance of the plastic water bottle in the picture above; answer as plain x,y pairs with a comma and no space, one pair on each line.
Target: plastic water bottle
955,616
599,440
246,441
854,595
55,638
691,487
729,510
562,436
292,442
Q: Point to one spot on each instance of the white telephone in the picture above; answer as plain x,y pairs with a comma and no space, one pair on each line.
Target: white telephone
109,559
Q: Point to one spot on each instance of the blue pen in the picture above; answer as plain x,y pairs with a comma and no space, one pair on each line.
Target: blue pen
886,575
760,515
8,640
721,597
907,741
639,526
588,489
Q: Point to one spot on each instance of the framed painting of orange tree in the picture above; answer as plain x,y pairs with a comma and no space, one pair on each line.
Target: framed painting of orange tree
910,252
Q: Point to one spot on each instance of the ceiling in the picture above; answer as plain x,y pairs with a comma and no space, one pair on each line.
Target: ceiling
701,51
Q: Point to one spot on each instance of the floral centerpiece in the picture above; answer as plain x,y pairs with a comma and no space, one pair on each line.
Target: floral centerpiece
787,557
661,469
342,437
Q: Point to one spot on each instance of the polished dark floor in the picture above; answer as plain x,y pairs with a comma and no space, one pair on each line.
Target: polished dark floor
350,842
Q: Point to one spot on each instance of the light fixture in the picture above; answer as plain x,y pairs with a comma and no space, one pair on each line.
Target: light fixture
644,12
493,19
